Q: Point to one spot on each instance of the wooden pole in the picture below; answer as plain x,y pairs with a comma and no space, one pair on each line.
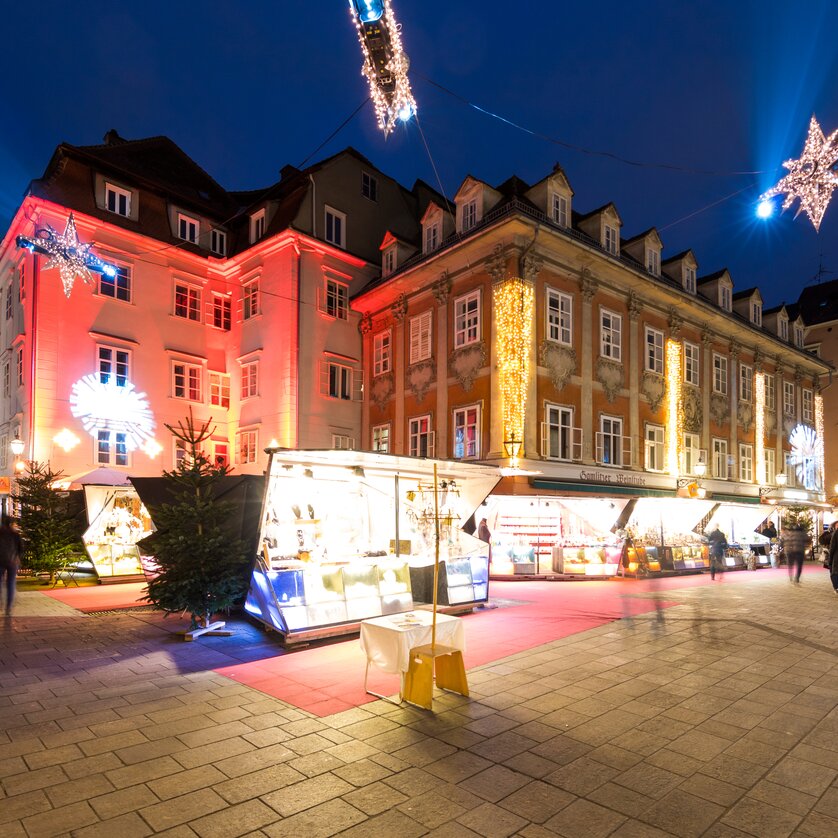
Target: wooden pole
398,551
436,558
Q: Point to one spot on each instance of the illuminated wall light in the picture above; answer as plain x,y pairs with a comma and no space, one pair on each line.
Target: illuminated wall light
759,426
819,431
152,448
514,302
66,439
674,406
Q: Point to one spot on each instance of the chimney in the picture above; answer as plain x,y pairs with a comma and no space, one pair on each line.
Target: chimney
288,171
112,138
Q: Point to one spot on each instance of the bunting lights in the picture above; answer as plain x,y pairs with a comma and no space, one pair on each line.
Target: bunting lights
759,427
67,253
112,408
385,63
514,303
674,406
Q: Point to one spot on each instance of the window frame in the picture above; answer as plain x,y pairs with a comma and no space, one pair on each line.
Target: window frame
420,329
654,449
756,313
559,317
789,399
432,237
114,361
380,438
467,321
221,312
559,209
770,466
19,363
193,294
336,299
337,220
807,405
692,452
339,381
653,356
388,260
564,441
616,452
369,186
746,462
610,238
251,299
721,374
219,389
770,393
382,352
218,242
191,393
468,215
469,447
121,292
247,446
725,298
107,444
783,328
258,225
249,380
184,222
746,383
416,434
614,347
690,279
653,261
719,447
692,364
118,192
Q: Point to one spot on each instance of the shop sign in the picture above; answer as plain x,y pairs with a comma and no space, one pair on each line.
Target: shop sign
614,478
5,485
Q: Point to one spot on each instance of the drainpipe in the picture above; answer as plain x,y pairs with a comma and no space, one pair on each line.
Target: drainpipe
313,207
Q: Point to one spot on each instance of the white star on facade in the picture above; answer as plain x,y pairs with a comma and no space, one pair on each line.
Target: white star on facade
68,254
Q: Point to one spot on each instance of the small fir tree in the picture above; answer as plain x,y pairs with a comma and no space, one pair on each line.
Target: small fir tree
202,566
48,527
798,516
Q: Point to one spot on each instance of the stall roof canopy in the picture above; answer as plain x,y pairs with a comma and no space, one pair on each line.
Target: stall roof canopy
605,489
101,476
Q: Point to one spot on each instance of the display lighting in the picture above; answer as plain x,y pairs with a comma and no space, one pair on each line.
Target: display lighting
674,406
385,63
152,448
759,426
819,453
67,253
514,302
108,406
66,439
812,178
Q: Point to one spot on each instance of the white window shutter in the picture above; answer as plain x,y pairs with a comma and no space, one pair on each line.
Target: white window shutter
357,385
545,441
324,378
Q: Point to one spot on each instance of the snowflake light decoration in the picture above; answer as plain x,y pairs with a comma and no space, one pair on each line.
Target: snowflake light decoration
71,256
385,63
804,456
812,178
106,406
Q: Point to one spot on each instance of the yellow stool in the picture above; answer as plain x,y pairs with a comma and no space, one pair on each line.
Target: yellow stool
419,680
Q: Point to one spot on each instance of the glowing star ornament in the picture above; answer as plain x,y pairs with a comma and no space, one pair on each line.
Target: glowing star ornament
71,256
110,408
804,456
812,178
385,63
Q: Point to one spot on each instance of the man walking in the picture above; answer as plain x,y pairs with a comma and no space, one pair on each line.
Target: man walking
718,545
10,550
832,558
795,541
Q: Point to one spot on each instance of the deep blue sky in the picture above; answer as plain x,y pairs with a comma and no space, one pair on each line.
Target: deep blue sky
725,85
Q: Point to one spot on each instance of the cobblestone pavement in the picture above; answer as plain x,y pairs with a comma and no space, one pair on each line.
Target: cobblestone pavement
717,717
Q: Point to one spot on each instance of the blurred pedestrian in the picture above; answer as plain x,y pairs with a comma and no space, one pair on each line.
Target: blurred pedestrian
10,549
484,534
795,543
718,545
832,557
769,530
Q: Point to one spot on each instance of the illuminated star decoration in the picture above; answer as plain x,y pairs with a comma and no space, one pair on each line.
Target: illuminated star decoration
113,408
385,63
804,456
812,178
72,257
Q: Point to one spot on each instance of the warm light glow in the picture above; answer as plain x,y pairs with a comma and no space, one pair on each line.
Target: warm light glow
819,453
273,443
701,492
700,468
759,426
780,478
674,406
514,302
19,465
152,448
17,446
66,439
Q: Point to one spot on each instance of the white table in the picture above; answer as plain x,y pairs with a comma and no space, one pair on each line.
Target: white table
387,641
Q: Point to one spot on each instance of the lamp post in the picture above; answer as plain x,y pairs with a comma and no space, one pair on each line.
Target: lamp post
513,446
17,446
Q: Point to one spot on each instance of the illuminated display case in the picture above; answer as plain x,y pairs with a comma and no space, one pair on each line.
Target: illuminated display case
347,536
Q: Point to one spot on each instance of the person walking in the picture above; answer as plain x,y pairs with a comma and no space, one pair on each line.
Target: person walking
718,545
10,549
769,530
484,534
832,558
795,542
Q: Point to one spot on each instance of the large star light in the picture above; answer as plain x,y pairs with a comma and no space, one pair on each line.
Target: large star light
71,256
812,178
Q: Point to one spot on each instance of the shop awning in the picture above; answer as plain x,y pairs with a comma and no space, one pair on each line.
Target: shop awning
608,489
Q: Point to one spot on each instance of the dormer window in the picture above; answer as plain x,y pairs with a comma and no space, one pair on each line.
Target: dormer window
388,262
756,314
187,228
257,226
117,200
432,236
218,242
369,186
653,262
469,215
783,328
798,336
725,297
335,228
609,239
560,210
689,279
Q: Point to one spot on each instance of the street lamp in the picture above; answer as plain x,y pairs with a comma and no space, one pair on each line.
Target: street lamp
17,445
700,468
513,446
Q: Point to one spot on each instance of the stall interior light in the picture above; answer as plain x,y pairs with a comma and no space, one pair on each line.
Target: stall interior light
273,443
308,473
152,448
701,492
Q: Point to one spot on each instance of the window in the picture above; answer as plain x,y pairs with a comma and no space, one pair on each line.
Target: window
719,458
250,380
689,279
746,383
9,302
420,337
181,452
113,365
337,300
421,438
724,297
560,210
257,226
756,314
469,214
19,359
343,442
432,237
21,281
467,431
610,335
246,444
783,328
610,239
119,286
250,300
560,440
220,454
187,302
653,262
692,363
770,394
610,442
117,200
559,317
381,360
788,399
335,227
770,466
654,451
807,414
221,308
654,350
719,374
798,336
4,451
381,438
187,228
369,186
692,453
338,381
746,462
219,384
111,448
388,262
7,379
467,319
218,242
186,381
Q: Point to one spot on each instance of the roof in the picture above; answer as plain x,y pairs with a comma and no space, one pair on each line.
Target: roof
819,303
746,293
713,276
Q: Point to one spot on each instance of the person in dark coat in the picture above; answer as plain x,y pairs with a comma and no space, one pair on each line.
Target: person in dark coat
484,534
769,530
718,545
10,549
832,558
795,543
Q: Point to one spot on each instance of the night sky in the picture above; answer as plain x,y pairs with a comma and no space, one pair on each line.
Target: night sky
245,88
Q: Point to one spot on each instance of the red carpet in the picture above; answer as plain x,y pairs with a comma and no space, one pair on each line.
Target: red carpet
101,597
328,679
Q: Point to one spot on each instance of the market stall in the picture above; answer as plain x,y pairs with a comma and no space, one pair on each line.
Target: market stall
349,535
739,523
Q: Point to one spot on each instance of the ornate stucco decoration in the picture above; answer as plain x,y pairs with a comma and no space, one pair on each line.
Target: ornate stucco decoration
798,376
758,359
560,362
496,264
693,412
770,421
719,408
675,322
365,324
735,348
442,288
399,308
420,377
532,266
382,389
789,423
706,335
635,305
610,375
745,415
653,387
587,285
466,362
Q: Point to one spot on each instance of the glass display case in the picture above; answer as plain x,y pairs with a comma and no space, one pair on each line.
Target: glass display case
461,581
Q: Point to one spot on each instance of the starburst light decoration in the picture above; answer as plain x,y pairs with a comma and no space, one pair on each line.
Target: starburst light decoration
385,63
812,178
112,408
805,449
71,256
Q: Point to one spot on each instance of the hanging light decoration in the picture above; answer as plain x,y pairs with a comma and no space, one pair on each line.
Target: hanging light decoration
674,406
812,178
759,426
72,257
107,406
819,448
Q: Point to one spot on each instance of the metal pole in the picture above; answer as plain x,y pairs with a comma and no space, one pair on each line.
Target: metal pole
398,551
436,558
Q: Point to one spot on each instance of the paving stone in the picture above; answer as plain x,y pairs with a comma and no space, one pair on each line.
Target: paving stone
182,809
438,806
33,780
788,799
142,772
108,806
682,814
536,801
388,824
292,799
313,764
584,818
258,783
375,798
802,775
712,789
186,781
235,820
758,818
60,821
362,772
130,825
22,806
819,826
581,776
491,821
